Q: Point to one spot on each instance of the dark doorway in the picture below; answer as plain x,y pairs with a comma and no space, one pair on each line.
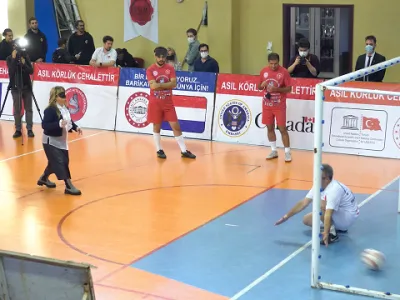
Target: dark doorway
329,28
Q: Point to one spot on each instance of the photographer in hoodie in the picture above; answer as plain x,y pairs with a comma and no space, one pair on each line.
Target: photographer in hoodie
304,65
37,42
19,70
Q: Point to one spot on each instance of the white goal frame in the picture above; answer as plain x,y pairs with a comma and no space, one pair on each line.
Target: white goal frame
318,144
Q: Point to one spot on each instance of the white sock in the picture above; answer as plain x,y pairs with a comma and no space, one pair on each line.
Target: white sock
273,146
332,230
321,224
181,143
157,141
287,150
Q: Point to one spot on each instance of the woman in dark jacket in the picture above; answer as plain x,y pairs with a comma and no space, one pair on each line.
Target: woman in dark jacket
56,124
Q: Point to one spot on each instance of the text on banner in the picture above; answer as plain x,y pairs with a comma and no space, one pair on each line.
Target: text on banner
193,82
76,74
247,85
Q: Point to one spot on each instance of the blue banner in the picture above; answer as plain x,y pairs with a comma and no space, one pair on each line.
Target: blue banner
193,98
186,81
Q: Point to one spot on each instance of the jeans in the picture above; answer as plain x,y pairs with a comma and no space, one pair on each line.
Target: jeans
27,100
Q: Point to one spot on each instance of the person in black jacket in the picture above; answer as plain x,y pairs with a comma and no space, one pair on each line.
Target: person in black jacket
125,59
370,58
19,70
61,54
37,42
6,45
81,44
56,124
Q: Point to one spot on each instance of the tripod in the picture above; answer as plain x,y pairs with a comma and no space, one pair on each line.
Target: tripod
19,86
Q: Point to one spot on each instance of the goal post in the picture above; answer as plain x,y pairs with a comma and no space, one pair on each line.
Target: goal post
320,89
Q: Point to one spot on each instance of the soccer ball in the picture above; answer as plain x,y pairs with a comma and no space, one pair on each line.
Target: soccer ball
373,259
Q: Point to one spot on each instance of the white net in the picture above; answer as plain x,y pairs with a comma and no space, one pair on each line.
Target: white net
359,118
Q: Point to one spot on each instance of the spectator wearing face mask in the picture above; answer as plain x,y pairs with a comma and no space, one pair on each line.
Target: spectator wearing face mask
304,65
172,59
193,51
370,58
205,63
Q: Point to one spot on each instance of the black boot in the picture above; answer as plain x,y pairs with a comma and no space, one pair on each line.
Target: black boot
71,189
44,180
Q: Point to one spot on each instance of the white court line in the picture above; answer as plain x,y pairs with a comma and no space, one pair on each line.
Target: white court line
301,249
38,150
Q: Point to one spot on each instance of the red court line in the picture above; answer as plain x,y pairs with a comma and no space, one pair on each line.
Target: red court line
186,233
132,291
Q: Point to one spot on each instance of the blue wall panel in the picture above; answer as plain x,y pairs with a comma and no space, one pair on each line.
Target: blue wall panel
45,13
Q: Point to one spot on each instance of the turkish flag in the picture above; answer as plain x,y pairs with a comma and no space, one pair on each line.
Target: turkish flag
371,124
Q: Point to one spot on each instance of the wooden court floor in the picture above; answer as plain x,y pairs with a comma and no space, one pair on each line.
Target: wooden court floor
133,203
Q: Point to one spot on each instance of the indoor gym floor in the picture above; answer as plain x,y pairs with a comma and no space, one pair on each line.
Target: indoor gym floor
193,229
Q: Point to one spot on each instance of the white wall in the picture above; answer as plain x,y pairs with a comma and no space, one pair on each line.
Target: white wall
3,15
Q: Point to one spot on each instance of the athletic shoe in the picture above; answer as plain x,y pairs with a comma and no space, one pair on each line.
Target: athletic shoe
331,239
272,155
288,157
161,154
188,154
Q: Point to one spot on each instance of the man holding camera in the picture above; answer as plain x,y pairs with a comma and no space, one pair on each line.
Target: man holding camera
19,69
304,65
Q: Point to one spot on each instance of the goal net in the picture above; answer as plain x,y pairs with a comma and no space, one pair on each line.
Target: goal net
353,118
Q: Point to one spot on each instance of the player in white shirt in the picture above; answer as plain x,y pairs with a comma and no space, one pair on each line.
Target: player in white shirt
338,206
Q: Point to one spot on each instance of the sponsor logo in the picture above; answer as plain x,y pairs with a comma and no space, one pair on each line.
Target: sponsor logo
305,124
136,109
396,133
76,102
234,118
358,128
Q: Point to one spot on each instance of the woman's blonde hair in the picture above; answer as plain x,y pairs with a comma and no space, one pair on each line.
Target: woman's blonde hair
55,91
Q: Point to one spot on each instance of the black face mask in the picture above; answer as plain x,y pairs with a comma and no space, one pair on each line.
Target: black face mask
171,57
62,95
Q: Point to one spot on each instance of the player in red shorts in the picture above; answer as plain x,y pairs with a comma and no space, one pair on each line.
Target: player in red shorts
162,80
275,80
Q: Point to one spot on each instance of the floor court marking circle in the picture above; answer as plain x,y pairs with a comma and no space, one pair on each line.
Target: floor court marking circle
124,265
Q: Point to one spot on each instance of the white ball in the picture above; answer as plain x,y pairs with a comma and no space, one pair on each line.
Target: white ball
373,259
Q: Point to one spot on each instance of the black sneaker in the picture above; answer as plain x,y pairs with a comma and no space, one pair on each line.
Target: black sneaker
17,134
161,154
188,154
31,134
331,239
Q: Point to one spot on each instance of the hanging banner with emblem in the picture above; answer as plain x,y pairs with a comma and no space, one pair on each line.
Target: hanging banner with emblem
141,19
91,92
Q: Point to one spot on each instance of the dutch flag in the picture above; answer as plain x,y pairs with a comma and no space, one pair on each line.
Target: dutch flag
191,111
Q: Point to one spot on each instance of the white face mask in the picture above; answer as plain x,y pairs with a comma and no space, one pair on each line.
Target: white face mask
203,54
303,53
190,40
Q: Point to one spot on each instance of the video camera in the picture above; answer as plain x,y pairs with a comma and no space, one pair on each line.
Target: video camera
20,45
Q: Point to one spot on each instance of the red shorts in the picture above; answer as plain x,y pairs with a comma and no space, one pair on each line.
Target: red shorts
269,115
160,110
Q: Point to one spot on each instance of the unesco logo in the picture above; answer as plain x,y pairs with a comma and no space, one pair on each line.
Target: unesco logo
234,118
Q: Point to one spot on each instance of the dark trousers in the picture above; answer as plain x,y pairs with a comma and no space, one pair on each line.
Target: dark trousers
58,162
17,103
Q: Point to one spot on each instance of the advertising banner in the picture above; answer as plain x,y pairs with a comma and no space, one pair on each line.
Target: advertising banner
238,108
362,123
4,81
91,92
193,98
